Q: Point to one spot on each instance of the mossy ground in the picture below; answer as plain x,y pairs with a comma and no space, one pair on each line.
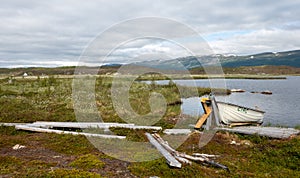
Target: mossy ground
51,155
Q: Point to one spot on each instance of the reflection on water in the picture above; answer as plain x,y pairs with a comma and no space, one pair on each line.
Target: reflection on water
282,107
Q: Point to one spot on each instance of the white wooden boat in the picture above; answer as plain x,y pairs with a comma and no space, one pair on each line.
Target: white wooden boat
231,114
226,113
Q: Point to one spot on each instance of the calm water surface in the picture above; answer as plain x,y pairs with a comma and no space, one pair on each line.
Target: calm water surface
282,107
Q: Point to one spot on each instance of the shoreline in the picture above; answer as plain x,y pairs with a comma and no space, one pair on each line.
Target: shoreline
174,77
226,76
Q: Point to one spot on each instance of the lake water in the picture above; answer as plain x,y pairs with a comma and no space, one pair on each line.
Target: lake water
282,107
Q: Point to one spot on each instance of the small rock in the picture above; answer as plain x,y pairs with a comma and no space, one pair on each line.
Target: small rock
234,143
237,90
246,142
266,92
17,147
254,92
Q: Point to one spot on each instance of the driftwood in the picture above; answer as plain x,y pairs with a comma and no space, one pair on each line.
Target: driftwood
36,129
182,157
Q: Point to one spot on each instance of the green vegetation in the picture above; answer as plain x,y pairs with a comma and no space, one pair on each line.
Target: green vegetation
87,162
28,100
261,158
10,137
68,144
131,134
161,169
9,164
254,157
52,155
72,173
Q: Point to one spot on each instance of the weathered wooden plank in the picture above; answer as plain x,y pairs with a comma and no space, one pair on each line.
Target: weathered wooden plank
81,125
202,119
183,160
165,144
272,132
84,125
177,131
184,157
141,127
36,129
12,124
172,161
205,155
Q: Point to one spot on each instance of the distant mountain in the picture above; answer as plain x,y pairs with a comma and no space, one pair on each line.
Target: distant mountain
289,62
173,64
110,65
287,58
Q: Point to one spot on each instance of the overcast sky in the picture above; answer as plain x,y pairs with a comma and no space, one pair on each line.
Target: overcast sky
55,33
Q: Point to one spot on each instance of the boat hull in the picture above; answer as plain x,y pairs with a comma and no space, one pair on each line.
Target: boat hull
232,114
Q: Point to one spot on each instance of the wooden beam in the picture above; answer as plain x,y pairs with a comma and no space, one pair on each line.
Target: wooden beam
202,119
80,125
272,132
11,124
186,158
171,160
36,129
177,131
157,128
205,155
84,125
207,111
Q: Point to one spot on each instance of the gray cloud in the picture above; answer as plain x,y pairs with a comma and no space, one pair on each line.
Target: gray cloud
42,33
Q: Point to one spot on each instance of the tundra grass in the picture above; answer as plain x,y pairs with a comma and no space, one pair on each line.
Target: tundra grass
50,99
252,156
267,158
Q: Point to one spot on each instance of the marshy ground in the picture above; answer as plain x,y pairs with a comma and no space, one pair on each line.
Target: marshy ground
51,155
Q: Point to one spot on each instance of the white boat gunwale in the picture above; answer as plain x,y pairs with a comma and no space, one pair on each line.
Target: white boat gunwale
241,107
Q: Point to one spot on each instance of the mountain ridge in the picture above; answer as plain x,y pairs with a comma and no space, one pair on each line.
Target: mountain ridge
285,58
